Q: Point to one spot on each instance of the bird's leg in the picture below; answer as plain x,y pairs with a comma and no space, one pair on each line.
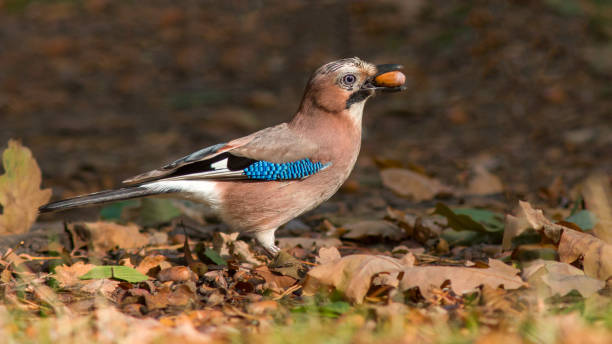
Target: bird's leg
266,240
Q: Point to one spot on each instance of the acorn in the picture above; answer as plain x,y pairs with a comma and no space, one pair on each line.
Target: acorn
390,79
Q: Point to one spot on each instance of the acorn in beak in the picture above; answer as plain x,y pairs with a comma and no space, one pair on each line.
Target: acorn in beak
387,79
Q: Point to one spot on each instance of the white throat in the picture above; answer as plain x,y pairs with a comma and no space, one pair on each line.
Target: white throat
356,112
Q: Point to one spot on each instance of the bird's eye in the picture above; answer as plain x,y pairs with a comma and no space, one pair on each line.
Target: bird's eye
349,79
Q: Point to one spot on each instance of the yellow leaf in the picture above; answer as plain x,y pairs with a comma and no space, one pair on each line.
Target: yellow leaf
20,193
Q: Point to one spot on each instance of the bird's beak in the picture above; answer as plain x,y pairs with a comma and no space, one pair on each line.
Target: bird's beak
388,78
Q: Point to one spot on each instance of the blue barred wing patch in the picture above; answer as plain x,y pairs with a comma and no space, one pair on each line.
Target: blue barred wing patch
264,170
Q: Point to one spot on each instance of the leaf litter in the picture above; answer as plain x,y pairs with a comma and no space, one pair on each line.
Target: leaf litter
398,262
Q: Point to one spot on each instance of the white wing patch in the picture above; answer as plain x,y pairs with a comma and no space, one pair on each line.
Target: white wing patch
220,165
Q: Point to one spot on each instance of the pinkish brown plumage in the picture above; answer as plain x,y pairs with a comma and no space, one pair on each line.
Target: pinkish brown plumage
326,129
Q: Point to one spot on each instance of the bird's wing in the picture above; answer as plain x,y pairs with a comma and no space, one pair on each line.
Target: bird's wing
270,154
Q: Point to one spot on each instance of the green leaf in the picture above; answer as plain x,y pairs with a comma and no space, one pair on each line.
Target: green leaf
118,272
470,219
214,256
112,212
125,273
98,272
155,211
583,219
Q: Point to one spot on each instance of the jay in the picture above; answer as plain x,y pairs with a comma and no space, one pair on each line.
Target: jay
261,181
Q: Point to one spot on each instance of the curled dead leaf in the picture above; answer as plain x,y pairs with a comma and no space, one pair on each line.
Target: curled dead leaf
596,254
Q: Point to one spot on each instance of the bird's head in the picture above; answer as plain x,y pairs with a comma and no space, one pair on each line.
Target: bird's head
343,86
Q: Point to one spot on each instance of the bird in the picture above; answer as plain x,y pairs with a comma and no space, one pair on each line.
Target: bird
261,181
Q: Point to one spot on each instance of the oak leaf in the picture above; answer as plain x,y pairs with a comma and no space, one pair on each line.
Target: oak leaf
20,193
551,277
351,274
462,279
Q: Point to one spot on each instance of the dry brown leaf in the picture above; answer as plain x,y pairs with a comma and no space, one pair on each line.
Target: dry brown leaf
68,276
527,217
407,183
373,228
103,286
328,255
274,281
484,182
462,279
152,261
107,235
20,193
551,277
596,254
308,243
598,199
177,274
351,275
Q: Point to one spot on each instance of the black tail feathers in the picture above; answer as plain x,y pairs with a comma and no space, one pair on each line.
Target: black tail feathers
99,198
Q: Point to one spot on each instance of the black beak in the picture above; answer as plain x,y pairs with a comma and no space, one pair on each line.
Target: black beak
372,84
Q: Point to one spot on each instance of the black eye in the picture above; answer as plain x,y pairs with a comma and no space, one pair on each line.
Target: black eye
349,79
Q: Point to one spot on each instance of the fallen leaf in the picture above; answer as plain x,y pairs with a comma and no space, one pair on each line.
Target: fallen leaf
152,261
177,274
373,228
119,272
462,279
20,193
596,254
598,199
470,219
484,182
308,243
107,235
286,264
328,255
69,275
351,275
274,280
104,286
410,184
551,277
527,217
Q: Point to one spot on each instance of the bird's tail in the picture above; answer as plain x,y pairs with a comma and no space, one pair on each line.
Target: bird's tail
99,198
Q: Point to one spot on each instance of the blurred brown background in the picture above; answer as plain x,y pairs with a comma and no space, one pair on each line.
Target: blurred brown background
101,90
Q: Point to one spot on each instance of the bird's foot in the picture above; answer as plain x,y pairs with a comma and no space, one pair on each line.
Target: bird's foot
266,240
